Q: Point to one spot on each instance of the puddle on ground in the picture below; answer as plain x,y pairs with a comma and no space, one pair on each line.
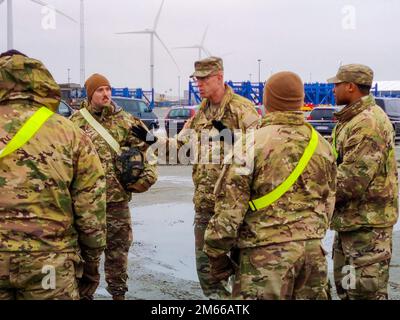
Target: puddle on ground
177,180
168,230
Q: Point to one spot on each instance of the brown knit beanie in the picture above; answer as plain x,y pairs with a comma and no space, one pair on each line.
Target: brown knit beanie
284,91
94,82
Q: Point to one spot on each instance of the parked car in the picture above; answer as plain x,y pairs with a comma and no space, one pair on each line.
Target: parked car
323,119
139,109
65,109
177,117
392,108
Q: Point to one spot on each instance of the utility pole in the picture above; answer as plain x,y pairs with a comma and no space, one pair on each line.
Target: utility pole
82,44
259,70
69,79
179,90
10,27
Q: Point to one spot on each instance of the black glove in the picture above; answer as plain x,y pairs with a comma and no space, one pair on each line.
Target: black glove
221,127
144,135
90,280
221,268
129,165
218,125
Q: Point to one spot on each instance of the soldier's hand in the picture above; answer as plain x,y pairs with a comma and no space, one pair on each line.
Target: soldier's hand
90,280
144,135
221,268
225,134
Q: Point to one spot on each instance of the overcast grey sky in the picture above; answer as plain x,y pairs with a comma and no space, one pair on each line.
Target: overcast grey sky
309,37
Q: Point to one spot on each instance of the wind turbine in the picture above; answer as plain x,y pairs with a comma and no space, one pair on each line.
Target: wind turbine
200,46
153,34
10,29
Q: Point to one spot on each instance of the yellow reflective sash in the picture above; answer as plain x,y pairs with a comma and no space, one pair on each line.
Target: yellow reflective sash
274,195
27,131
100,130
335,153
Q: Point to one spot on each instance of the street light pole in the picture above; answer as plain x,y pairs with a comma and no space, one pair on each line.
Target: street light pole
259,70
69,79
179,90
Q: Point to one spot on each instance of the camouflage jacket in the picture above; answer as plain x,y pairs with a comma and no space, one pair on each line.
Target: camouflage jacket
367,181
235,112
302,213
118,123
52,189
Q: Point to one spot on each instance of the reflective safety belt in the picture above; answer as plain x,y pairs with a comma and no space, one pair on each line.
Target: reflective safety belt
27,131
335,153
274,195
100,130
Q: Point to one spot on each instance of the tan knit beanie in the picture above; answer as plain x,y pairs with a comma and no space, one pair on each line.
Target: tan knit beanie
284,91
94,82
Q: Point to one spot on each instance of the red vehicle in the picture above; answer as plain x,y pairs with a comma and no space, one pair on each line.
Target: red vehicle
177,117
260,110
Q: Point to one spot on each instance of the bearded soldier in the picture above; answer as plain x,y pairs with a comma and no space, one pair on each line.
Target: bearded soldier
127,170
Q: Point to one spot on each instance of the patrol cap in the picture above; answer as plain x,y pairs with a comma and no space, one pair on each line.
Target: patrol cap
208,66
355,73
11,53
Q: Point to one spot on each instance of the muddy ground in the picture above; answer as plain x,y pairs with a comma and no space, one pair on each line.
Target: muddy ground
161,259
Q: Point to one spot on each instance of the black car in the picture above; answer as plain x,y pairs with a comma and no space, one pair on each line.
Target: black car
323,119
64,109
139,109
391,106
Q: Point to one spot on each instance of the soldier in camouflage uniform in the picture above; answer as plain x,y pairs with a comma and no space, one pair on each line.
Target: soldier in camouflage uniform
280,254
367,188
119,226
52,193
221,105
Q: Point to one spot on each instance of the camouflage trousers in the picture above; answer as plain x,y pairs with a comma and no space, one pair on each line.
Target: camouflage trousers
294,270
361,261
119,240
210,290
39,276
